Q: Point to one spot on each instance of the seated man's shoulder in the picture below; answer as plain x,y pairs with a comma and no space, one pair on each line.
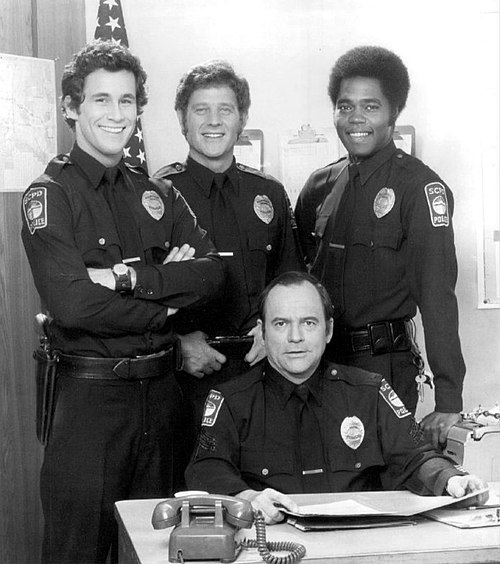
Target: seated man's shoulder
353,375
242,385
170,170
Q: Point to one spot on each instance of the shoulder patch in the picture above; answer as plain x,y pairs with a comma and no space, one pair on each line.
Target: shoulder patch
35,208
392,400
213,403
437,201
168,170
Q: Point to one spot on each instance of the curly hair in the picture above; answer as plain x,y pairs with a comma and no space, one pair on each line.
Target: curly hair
373,62
212,74
100,55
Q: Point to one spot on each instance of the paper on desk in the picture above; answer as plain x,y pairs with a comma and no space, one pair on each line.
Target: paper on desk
402,503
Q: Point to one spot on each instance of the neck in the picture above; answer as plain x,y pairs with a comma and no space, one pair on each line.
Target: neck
220,164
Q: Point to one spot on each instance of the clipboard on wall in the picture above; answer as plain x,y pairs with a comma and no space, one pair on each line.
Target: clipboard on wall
404,138
249,149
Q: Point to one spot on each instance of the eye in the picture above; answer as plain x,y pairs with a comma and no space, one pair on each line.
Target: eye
225,111
279,324
101,99
200,111
310,323
344,108
128,101
372,107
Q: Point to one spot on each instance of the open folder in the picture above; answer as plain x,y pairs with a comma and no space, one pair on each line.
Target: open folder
364,509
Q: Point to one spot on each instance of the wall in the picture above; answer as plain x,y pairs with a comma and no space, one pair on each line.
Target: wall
28,28
286,47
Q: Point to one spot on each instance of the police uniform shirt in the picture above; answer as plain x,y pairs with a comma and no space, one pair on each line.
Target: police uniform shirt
368,440
263,242
398,254
68,227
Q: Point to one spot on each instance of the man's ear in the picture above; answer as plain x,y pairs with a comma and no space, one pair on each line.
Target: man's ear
69,110
260,328
243,123
329,330
182,122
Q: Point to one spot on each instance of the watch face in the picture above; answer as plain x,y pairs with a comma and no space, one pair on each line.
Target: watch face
120,269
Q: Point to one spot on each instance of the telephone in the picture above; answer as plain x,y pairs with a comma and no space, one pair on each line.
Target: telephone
205,526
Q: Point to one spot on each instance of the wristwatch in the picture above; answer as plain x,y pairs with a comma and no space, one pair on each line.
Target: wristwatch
123,281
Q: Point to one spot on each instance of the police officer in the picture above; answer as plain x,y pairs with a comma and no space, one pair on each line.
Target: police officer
246,214
113,255
297,424
376,228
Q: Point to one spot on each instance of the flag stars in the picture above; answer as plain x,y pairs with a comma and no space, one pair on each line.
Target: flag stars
139,135
113,24
126,153
110,3
141,156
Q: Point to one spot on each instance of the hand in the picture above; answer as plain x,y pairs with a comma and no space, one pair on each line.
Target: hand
258,350
199,357
265,502
102,276
458,486
176,254
436,426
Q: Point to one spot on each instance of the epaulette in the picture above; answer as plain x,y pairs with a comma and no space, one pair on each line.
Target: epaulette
56,165
353,375
168,170
251,170
136,169
400,157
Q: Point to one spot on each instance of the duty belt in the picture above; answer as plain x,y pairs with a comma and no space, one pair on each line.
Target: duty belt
138,368
378,338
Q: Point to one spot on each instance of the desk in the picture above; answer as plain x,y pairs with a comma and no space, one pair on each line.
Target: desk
425,543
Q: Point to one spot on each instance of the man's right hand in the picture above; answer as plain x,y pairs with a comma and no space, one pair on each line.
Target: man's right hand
268,502
199,357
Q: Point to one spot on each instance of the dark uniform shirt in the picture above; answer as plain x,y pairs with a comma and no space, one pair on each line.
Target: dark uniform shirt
397,253
368,439
263,243
69,227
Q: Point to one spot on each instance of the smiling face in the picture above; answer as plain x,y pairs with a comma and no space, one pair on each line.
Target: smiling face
212,124
363,117
296,331
107,116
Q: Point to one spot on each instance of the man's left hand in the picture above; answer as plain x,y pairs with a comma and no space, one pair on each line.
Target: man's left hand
436,426
458,486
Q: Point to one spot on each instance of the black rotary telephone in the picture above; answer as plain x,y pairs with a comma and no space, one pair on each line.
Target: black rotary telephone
205,526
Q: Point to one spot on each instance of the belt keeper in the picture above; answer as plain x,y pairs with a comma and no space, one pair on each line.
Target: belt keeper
122,369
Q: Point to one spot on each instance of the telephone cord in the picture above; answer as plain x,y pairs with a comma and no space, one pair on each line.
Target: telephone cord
296,550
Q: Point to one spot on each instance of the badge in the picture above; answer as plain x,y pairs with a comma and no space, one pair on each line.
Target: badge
352,432
35,208
392,399
384,202
437,201
263,207
153,204
212,407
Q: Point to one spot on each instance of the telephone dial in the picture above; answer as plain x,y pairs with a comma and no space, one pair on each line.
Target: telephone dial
205,527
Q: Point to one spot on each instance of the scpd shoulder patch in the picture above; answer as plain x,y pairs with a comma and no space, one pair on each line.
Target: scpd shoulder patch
437,201
392,399
35,208
212,407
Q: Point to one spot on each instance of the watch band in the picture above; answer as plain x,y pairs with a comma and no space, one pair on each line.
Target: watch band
123,280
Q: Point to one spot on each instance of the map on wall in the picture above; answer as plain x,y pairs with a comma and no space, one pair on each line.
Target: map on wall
28,130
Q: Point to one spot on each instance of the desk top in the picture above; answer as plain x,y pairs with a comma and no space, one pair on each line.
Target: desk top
424,543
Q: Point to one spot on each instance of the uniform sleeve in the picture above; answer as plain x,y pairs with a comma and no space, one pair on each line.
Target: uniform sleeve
214,466
432,275
305,216
61,277
410,461
184,283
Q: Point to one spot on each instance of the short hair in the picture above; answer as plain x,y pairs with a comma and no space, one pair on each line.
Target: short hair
373,62
100,55
296,278
213,73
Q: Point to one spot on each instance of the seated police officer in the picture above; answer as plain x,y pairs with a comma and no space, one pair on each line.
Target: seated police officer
113,255
298,424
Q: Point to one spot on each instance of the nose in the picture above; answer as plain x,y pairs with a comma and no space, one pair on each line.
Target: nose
214,118
295,334
115,111
357,115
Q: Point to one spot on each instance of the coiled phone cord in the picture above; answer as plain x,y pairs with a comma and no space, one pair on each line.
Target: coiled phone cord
296,550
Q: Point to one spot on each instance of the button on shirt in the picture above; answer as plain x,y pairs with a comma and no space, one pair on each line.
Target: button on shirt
367,442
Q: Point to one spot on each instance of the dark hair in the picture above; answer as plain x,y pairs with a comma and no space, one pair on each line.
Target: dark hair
296,278
210,74
100,55
373,62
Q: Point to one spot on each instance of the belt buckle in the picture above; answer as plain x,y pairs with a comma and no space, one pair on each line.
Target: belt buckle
380,337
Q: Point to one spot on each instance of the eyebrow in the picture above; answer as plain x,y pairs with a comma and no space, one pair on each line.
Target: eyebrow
364,100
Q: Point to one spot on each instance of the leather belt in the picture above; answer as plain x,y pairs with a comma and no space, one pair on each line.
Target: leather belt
379,338
94,368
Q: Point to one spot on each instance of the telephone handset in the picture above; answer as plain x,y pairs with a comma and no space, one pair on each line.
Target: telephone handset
205,526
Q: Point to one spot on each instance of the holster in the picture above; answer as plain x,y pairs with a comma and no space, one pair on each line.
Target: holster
45,375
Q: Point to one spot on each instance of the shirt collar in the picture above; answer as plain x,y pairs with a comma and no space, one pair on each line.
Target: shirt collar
283,388
205,177
90,167
369,166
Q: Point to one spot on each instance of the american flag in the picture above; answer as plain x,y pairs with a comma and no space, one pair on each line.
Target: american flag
111,27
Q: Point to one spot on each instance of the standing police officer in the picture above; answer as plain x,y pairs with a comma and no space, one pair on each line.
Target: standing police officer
376,228
113,255
246,214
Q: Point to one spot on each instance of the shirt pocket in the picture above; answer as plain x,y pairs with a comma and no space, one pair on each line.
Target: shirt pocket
260,250
383,236
342,458
156,243
97,250
265,464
